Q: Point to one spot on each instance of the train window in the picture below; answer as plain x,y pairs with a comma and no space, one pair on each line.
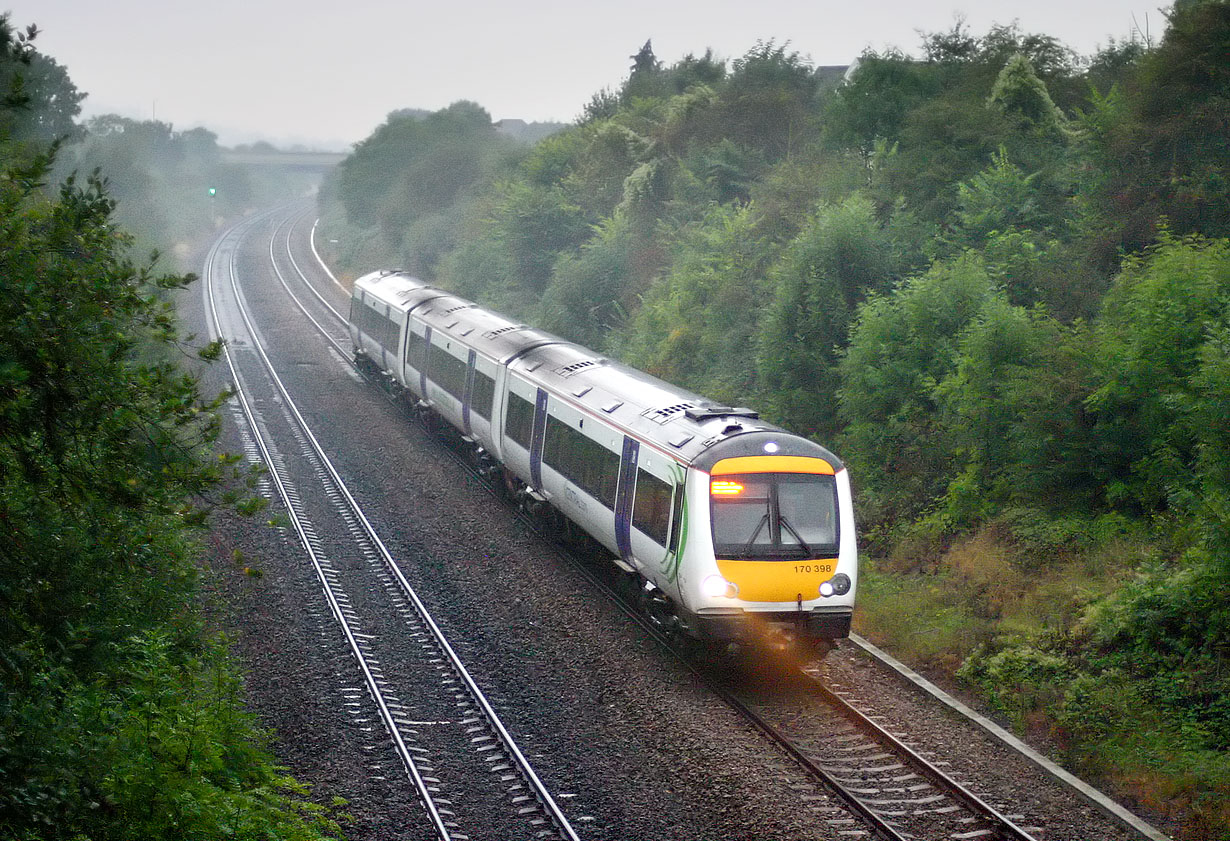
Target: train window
651,509
582,460
775,516
380,327
484,394
375,326
415,347
519,420
446,371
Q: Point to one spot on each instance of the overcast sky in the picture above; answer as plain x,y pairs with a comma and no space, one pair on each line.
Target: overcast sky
327,73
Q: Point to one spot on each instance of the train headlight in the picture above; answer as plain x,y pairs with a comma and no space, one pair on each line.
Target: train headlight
715,586
838,585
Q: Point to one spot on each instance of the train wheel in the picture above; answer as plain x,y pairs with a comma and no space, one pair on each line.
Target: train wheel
510,484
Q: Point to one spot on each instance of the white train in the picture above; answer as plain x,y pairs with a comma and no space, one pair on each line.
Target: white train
734,529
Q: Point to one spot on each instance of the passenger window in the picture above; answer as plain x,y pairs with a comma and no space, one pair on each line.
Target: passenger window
414,351
446,370
519,420
484,394
651,510
585,462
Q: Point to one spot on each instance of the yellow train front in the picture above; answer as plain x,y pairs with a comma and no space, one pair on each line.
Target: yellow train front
769,546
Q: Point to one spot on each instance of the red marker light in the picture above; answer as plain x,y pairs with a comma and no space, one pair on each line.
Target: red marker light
723,487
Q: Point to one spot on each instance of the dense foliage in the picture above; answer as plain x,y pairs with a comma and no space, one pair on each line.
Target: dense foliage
994,277
401,187
169,186
119,716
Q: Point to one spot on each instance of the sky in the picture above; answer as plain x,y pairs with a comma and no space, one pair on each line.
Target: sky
326,74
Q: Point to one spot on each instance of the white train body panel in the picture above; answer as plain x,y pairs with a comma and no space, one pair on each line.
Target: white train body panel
732,519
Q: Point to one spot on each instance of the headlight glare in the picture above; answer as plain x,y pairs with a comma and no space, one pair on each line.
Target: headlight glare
716,586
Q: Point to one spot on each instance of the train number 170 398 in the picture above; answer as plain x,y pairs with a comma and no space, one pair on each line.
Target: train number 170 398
824,568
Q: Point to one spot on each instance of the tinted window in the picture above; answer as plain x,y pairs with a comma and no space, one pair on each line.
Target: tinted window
651,511
446,371
382,329
519,420
774,515
586,463
415,345
483,396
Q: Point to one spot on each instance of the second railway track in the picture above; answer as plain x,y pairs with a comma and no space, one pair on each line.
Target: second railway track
464,765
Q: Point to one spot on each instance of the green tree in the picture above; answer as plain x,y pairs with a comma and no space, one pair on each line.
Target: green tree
1018,92
40,102
160,178
981,403
769,101
418,169
646,78
1157,335
902,346
839,258
119,716
586,299
1159,143
697,326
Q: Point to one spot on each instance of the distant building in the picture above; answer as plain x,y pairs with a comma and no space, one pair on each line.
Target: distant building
833,75
527,132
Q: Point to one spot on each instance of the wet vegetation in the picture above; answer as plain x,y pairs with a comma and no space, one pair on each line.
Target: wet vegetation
120,714
994,276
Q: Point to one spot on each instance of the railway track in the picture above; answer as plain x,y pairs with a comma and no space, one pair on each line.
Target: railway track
897,791
893,790
464,765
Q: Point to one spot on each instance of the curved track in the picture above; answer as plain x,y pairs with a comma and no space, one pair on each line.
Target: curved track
501,787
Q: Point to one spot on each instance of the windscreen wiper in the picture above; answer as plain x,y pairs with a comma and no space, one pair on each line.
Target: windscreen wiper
747,547
786,525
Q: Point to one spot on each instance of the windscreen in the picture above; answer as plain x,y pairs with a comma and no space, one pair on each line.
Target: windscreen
768,516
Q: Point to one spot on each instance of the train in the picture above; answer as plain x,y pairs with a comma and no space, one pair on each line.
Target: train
732,531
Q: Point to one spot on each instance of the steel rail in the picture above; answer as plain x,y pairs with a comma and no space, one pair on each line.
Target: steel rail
999,822
386,715
541,793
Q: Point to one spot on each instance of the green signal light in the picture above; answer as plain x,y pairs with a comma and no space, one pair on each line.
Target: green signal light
213,191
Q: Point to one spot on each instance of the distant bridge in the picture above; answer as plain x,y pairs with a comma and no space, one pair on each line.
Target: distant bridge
313,161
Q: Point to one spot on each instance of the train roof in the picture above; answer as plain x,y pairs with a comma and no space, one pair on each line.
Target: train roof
490,333
398,289
676,420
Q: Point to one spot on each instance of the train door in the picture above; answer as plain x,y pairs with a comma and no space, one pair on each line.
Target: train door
623,498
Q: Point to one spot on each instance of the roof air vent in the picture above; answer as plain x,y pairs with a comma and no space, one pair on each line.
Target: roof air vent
666,413
569,370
